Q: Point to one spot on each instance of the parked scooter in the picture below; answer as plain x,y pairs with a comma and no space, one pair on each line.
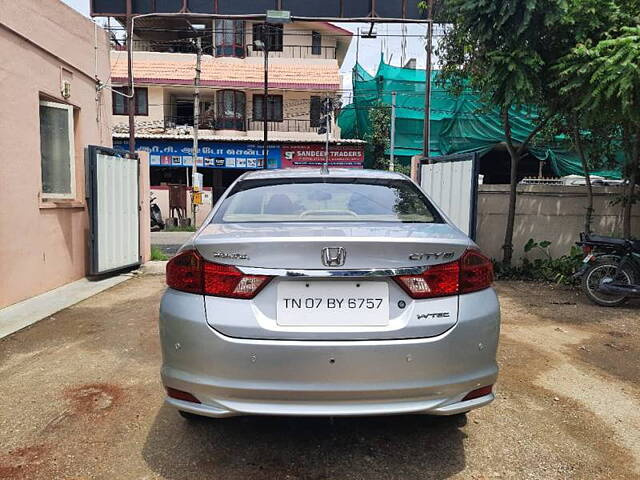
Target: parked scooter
611,271
157,223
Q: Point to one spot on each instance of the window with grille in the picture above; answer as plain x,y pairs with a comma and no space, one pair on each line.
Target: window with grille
274,108
121,103
269,35
231,110
316,43
230,38
316,111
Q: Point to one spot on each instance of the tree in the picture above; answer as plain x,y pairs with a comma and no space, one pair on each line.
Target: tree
605,78
379,139
504,50
594,141
592,137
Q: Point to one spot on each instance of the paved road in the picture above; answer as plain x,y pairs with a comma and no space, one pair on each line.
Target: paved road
169,242
81,399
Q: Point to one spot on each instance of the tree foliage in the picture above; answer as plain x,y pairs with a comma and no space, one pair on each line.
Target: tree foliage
605,76
379,138
575,63
504,50
599,82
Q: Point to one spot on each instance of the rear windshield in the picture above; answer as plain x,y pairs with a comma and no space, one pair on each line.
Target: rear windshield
326,200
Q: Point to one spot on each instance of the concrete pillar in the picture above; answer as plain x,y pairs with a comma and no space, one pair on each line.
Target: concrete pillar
415,168
145,208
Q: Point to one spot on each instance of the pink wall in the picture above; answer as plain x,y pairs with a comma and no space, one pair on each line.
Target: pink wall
44,243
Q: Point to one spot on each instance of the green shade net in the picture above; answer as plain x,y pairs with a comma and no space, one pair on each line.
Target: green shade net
459,124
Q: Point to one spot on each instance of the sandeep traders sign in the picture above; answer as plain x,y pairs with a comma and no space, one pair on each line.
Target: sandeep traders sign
313,156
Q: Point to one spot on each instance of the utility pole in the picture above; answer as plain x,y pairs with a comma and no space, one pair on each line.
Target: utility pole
131,100
392,163
266,42
196,127
427,96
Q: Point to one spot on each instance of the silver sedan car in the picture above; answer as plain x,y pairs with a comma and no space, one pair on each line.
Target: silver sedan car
344,293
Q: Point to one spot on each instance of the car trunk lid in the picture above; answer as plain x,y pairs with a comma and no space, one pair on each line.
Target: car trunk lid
300,247
293,254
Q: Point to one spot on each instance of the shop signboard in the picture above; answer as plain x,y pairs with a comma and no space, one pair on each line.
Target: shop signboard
177,153
314,156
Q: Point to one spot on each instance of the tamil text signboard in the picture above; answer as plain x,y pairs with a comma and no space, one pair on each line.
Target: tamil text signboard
167,153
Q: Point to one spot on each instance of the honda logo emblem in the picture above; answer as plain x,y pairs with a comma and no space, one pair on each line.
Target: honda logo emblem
334,256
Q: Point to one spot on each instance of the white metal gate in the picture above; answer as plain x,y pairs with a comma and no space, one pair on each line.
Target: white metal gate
452,183
113,195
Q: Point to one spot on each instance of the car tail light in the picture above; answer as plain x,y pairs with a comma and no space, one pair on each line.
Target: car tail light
480,392
476,272
184,272
473,272
189,272
587,249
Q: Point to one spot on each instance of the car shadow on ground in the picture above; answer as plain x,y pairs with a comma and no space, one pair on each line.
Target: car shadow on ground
273,448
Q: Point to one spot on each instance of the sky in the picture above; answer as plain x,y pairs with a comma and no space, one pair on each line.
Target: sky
388,42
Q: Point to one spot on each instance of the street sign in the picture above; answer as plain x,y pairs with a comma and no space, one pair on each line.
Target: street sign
278,16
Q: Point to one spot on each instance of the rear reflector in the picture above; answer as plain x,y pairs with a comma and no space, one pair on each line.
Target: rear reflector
473,272
180,395
480,392
189,272
437,281
228,281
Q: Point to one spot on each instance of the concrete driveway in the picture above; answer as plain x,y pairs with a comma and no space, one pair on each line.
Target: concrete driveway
81,399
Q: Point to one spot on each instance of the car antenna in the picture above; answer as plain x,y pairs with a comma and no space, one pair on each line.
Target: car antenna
326,110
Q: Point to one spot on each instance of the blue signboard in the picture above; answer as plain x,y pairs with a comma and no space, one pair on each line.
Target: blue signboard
179,153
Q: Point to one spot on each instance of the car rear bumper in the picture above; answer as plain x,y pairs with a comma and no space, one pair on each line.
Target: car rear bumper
233,376
360,409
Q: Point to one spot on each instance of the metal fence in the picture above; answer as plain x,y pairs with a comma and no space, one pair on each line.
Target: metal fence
188,46
286,125
297,51
212,123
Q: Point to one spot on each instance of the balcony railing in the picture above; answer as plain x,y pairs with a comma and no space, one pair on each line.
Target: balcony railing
206,123
286,125
297,51
182,46
187,46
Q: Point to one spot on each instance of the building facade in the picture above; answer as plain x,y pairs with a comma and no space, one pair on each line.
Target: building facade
304,71
52,58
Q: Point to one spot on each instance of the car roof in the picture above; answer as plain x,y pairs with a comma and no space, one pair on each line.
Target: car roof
316,172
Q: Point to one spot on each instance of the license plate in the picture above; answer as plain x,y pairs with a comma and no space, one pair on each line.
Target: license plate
333,304
588,258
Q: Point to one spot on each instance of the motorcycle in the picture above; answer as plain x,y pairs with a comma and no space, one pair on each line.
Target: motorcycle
611,269
157,223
